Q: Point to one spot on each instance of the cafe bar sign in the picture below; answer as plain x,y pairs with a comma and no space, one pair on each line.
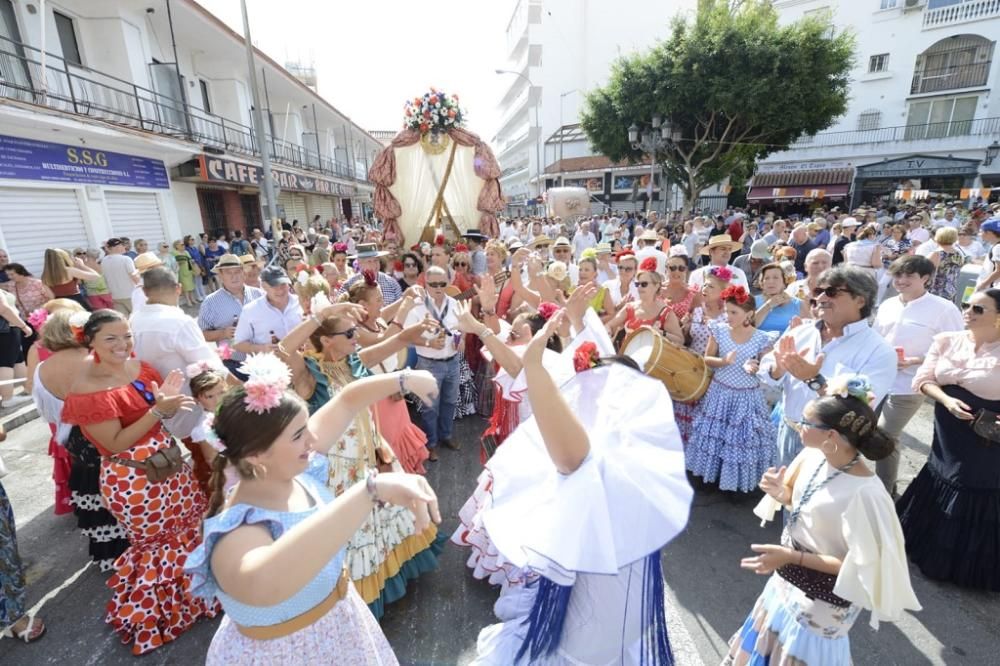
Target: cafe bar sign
218,170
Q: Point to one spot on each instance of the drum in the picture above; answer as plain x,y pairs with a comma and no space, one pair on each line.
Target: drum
683,372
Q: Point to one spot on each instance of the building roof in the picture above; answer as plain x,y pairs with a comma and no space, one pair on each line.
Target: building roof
816,177
589,163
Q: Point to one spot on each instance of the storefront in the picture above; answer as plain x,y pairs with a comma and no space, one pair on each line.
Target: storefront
68,196
229,193
936,178
798,188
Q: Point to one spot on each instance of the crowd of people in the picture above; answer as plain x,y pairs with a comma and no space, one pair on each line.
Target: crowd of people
265,458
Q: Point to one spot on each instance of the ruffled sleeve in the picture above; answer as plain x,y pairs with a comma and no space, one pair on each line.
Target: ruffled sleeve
875,574
198,564
89,408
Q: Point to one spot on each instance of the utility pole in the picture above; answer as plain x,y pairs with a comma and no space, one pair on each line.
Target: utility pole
258,121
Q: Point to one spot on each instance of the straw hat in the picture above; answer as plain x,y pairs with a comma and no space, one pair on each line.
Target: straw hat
650,235
562,241
147,260
225,261
539,241
721,240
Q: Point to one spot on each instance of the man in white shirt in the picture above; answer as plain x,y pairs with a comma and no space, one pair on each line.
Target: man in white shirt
909,322
143,263
168,339
265,321
817,261
917,233
648,243
508,230
119,274
562,251
949,220
583,239
439,356
719,249
839,342
989,275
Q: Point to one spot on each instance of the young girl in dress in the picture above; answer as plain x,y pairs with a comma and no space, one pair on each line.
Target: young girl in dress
734,436
207,386
274,549
842,548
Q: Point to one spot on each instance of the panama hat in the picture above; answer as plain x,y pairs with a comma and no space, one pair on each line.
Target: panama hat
225,261
539,241
147,260
721,240
368,251
649,235
562,241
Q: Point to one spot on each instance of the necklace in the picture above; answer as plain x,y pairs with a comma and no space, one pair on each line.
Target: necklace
811,490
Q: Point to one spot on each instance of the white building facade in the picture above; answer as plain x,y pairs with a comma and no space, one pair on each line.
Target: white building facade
922,122
558,50
136,121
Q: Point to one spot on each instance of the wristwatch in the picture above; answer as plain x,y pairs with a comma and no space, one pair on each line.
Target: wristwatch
816,383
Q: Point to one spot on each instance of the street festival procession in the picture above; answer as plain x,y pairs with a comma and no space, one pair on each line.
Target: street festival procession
679,346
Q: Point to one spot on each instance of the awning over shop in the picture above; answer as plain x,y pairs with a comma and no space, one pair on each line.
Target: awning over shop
761,193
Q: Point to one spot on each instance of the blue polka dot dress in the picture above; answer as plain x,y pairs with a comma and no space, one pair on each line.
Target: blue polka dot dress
732,439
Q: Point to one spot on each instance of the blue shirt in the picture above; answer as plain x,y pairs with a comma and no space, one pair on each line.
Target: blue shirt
778,319
222,310
390,288
859,351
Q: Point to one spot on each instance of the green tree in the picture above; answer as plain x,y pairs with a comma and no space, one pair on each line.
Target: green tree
734,83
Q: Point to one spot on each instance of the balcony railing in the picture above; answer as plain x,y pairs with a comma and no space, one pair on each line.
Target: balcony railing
963,12
950,78
955,128
87,92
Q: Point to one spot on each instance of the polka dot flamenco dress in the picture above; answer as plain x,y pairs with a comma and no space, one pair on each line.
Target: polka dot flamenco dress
151,602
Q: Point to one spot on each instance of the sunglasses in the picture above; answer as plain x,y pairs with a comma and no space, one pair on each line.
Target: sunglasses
348,334
800,426
975,309
84,254
460,263
626,269
560,250
437,285
677,269
642,283
140,386
295,256
409,264
831,292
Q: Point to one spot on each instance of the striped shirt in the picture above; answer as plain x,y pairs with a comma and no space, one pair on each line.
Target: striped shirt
390,288
222,310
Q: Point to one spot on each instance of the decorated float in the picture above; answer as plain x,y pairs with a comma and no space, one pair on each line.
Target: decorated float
435,176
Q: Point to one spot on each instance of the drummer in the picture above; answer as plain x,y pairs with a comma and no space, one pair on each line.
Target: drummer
650,310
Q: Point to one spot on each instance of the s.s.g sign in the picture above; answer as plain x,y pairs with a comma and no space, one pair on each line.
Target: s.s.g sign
27,159
218,170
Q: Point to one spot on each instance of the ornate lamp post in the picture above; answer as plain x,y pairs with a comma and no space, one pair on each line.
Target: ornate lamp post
659,136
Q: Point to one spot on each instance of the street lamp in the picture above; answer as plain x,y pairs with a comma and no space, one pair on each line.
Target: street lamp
538,159
661,135
992,151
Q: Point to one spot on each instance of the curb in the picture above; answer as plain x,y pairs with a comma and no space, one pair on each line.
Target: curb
18,417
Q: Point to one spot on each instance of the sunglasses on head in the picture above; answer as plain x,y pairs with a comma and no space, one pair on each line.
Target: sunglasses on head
349,333
975,309
642,283
831,292
437,285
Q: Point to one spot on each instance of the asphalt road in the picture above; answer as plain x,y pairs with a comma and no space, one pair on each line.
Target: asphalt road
437,622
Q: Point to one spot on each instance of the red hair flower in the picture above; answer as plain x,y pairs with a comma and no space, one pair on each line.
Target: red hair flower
735,293
397,266
546,310
439,240
723,273
648,265
340,247
585,357
461,247
370,278
627,252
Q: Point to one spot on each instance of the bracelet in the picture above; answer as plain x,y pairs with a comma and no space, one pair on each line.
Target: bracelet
157,413
485,333
802,554
317,321
402,380
488,313
372,490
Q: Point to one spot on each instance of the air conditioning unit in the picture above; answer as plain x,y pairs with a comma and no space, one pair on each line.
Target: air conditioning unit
913,4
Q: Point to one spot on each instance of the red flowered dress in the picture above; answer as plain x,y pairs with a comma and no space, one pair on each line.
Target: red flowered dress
151,602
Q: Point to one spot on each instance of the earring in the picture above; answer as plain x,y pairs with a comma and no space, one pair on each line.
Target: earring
97,359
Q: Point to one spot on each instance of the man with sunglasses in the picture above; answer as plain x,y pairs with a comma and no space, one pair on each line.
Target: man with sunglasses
562,251
839,341
909,322
439,355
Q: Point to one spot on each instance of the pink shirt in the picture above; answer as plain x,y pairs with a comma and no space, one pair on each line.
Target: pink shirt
952,359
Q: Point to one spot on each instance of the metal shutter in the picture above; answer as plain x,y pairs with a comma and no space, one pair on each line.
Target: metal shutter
325,207
295,208
135,215
33,220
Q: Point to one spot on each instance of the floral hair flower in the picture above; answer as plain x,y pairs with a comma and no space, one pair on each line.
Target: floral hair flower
589,253
439,240
547,309
627,252
461,247
648,265
198,367
855,386
723,273
224,351
369,277
267,379
77,322
585,357
735,293
340,247
37,318
397,266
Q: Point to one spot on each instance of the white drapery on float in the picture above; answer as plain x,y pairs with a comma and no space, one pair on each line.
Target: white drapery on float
408,178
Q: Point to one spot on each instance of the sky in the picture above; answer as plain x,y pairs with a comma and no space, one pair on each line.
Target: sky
372,55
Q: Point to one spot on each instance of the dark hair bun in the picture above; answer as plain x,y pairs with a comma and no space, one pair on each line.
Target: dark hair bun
876,445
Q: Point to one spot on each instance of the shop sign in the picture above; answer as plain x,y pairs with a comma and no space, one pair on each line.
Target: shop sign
27,159
919,165
795,167
218,170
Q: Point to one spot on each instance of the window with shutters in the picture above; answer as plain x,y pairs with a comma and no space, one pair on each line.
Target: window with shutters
878,63
869,120
956,62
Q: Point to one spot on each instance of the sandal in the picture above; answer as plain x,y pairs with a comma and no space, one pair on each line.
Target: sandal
32,631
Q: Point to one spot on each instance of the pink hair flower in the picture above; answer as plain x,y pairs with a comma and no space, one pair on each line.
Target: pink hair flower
37,318
546,310
723,273
267,379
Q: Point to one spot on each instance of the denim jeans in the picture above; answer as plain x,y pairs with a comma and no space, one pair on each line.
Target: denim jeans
789,444
439,417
